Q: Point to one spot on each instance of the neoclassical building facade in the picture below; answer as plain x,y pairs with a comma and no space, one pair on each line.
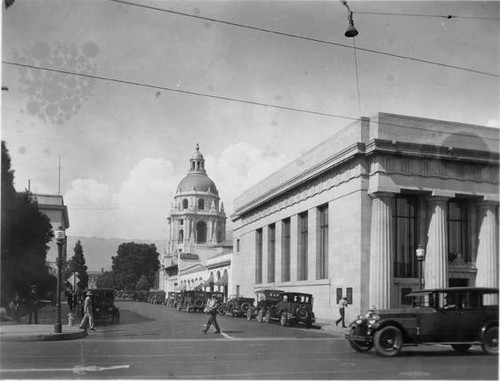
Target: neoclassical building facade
196,247
346,218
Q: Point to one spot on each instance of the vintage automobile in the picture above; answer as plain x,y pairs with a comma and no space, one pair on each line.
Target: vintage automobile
459,316
103,302
239,305
292,308
192,301
171,299
265,299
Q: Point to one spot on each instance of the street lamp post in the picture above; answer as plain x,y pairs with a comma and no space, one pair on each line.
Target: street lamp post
60,238
420,252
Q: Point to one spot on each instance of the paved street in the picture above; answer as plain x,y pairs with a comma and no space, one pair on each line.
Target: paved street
159,342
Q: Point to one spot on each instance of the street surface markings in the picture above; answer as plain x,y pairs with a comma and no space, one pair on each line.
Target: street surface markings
224,338
76,369
415,374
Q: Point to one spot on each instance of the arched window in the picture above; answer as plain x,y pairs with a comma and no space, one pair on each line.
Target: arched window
201,204
201,232
181,236
184,204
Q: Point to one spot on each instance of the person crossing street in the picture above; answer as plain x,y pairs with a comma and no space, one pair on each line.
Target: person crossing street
211,309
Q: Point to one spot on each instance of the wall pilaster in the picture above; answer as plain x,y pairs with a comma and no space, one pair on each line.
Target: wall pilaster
487,249
381,249
436,257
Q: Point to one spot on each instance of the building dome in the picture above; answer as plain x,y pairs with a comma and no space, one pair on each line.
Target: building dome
199,182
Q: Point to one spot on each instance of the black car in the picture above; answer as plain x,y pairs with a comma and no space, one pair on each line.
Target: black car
459,316
103,303
265,299
238,306
192,301
292,308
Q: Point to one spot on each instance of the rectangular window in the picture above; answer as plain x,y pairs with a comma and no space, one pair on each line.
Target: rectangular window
237,245
405,236
302,247
339,295
406,300
271,252
458,239
285,251
348,291
258,256
322,254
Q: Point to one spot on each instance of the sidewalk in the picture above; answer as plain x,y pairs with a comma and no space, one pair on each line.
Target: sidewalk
44,331
328,325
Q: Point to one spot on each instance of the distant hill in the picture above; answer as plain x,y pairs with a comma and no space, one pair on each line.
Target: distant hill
98,251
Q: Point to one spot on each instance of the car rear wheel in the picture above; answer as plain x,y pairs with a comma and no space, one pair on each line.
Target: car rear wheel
283,319
260,315
359,346
490,341
388,341
245,307
461,348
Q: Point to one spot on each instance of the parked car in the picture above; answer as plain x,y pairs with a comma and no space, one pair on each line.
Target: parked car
172,297
103,302
238,306
459,316
292,308
192,301
265,299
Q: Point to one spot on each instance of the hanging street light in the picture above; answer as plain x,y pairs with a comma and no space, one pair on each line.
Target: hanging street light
351,30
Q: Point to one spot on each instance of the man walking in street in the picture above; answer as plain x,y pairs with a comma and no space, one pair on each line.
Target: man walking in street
211,309
88,313
34,301
342,306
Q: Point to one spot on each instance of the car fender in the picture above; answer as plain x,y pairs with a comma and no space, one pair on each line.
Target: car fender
487,325
386,322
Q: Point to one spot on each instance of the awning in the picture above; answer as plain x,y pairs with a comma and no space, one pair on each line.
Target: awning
209,281
182,287
222,281
198,287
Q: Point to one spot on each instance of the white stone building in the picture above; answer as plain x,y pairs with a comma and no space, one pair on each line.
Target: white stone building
197,256
347,217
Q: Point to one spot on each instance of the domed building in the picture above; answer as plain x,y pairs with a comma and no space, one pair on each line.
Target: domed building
196,232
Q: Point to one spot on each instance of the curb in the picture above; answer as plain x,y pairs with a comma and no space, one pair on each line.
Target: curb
43,337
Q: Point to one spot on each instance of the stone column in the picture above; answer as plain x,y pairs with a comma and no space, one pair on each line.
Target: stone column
381,251
487,248
436,254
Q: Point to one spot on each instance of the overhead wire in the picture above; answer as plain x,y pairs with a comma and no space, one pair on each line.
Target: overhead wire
449,17
311,39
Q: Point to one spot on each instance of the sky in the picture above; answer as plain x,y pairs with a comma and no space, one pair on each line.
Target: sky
130,91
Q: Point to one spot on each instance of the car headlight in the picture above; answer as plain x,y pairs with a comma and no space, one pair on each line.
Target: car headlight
373,319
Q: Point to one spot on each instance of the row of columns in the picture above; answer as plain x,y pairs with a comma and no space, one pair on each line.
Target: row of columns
436,261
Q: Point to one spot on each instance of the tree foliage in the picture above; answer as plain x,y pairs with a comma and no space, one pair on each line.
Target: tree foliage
77,264
25,234
105,280
133,262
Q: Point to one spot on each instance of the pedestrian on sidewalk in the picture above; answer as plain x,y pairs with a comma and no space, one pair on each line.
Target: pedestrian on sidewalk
342,306
88,313
211,309
34,301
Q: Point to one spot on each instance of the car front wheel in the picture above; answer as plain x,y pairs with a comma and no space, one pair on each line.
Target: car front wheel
388,341
490,341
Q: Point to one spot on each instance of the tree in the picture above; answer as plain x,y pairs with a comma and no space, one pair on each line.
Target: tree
105,280
143,284
25,233
133,261
77,264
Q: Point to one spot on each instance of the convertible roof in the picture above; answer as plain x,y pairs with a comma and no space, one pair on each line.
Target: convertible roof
451,289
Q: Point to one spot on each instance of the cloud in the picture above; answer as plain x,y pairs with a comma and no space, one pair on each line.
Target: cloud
137,211
239,167
140,208
493,123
